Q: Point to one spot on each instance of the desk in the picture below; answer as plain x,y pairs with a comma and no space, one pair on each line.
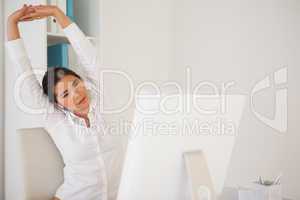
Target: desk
232,194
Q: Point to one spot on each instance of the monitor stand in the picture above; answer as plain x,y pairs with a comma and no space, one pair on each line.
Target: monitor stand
199,178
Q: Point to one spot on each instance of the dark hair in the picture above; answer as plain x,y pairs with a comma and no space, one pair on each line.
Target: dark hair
51,77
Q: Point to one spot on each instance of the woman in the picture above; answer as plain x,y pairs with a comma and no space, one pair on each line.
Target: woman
74,123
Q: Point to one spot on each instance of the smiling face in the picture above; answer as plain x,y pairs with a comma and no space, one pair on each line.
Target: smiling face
72,94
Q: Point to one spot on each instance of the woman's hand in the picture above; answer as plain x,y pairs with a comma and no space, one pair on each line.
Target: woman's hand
13,20
19,14
42,11
29,13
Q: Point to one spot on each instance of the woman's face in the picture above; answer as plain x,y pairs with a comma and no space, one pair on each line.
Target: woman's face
72,94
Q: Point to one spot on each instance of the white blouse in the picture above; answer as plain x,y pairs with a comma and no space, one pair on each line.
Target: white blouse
92,162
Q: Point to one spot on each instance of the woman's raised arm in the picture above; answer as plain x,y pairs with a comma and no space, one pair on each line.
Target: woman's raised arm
84,49
19,57
14,19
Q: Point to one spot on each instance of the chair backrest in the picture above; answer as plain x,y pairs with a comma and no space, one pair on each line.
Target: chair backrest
42,165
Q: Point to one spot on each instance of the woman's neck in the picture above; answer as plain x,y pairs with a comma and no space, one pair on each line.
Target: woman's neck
84,116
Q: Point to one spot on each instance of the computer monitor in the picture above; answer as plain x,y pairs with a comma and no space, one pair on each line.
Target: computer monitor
154,166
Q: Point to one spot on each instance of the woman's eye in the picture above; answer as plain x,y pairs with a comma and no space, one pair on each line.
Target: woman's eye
65,95
75,82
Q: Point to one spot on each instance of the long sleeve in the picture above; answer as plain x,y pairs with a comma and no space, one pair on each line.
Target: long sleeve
85,50
19,57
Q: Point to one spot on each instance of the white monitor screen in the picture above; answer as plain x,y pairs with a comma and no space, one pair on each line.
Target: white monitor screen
154,165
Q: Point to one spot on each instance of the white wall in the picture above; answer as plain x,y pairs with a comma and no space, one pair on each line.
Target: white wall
1,101
243,41
136,37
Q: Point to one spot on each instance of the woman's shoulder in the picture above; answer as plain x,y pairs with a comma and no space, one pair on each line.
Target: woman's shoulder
53,116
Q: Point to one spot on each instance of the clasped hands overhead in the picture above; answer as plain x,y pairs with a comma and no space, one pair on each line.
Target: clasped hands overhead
33,12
